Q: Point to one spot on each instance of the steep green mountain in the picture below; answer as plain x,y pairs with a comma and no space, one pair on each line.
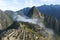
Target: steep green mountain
52,10
33,13
52,22
5,20
49,21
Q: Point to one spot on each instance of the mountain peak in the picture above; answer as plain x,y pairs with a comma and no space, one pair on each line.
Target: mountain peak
33,7
33,12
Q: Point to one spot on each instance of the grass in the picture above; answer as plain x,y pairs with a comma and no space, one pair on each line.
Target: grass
26,28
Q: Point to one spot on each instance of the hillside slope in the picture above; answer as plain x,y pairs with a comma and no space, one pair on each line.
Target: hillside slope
5,20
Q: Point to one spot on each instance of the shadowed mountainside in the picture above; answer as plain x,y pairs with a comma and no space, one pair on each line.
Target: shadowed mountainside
5,20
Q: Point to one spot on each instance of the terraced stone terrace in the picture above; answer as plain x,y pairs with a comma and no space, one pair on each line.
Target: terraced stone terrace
24,32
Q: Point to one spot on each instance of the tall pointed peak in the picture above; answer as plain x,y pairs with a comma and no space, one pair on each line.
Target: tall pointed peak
33,7
33,12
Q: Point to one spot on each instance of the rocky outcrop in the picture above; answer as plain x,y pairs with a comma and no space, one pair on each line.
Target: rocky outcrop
5,20
33,13
52,22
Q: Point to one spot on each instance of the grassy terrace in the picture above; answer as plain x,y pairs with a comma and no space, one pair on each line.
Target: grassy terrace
27,29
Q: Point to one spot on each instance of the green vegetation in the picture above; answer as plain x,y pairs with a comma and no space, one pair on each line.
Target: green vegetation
33,13
46,24
5,20
28,29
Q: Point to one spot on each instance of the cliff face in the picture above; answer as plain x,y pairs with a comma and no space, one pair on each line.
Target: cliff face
52,22
33,13
5,20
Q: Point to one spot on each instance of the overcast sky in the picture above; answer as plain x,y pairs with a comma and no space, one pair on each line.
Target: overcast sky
20,4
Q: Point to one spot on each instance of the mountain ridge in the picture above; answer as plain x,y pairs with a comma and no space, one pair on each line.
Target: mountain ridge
51,10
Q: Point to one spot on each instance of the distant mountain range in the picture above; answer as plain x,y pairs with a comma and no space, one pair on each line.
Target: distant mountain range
51,10
51,14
